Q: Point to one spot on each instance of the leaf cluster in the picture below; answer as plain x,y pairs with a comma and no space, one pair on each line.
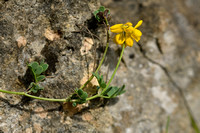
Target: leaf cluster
35,87
36,70
109,92
79,97
101,14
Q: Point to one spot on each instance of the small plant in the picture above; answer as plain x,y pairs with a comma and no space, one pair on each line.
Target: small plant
36,70
126,35
79,97
109,92
101,14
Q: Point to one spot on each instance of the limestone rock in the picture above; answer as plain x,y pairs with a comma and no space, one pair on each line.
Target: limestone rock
166,63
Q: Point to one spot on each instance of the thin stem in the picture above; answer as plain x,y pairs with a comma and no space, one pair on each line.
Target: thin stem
35,97
104,55
167,125
96,96
93,97
123,47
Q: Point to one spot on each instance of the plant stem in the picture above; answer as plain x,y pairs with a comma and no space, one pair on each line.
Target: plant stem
167,125
93,97
123,47
35,97
96,96
104,55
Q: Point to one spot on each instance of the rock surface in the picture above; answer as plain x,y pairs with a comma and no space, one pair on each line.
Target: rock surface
166,64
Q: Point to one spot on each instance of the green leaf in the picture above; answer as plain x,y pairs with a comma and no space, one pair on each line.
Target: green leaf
96,75
95,12
33,90
39,70
34,65
103,85
81,101
37,87
40,78
121,90
101,9
74,104
44,66
82,94
100,80
79,92
112,91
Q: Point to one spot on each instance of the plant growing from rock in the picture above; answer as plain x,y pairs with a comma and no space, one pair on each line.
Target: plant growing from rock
36,71
126,34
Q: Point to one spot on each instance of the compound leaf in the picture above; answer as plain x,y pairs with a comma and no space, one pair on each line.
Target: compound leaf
44,66
34,65
40,78
101,9
95,12
82,94
39,70
112,91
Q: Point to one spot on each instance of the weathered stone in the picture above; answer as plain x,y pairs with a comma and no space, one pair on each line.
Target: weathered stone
154,74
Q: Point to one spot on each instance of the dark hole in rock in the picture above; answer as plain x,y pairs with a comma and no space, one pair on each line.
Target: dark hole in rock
70,48
132,56
92,23
59,32
50,58
26,79
140,6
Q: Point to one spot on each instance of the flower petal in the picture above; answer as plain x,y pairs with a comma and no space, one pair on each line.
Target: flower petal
119,38
129,30
138,24
128,24
116,28
129,40
136,34
137,38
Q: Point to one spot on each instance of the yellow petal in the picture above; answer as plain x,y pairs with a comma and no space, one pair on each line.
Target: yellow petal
137,38
129,41
129,30
116,28
129,24
136,34
119,38
138,24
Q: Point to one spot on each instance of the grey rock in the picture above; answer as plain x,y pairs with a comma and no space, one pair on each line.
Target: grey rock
166,64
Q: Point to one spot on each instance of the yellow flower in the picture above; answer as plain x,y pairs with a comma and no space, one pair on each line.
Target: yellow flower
126,33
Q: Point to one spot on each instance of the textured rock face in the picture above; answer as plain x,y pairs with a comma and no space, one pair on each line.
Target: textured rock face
154,74
167,64
49,30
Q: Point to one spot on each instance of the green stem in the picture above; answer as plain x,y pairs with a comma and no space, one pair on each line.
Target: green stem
93,97
123,47
35,97
96,96
167,125
104,55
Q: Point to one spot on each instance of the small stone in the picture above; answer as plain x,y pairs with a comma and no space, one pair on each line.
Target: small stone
21,41
51,35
